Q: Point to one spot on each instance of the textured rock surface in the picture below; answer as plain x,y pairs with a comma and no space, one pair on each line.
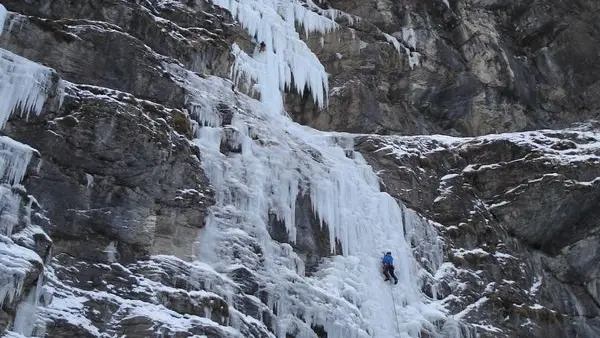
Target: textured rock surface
117,182
116,177
115,166
485,67
518,214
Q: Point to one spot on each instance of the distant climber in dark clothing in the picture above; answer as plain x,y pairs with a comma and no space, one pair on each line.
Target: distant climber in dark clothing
263,47
388,267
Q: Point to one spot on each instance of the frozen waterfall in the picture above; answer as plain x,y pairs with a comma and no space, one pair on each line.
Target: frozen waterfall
274,161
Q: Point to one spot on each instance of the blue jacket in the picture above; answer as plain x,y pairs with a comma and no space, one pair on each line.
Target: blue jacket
387,259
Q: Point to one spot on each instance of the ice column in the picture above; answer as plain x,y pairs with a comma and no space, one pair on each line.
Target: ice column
287,60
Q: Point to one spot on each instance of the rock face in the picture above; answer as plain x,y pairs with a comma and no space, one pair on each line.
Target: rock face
110,157
100,235
463,67
115,177
517,213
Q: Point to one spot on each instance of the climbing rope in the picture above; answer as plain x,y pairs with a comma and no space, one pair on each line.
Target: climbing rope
395,312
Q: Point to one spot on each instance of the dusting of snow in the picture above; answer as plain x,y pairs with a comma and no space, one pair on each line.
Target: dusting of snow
537,282
527,322
490,287
470,308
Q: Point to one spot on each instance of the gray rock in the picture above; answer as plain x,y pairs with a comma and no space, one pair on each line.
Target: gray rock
312,237
516,214
110,168
485,67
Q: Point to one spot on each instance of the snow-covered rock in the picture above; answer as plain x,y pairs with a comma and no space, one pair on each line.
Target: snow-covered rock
153,186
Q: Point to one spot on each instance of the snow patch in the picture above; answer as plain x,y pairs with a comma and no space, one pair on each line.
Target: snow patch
448,177
470,308
463,252
537,282
503,256
488,328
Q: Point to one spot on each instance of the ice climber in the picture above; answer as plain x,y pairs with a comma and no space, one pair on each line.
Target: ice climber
263,47
388,267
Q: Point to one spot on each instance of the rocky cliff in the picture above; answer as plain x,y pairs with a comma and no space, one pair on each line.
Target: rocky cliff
145,194
517,214
465,67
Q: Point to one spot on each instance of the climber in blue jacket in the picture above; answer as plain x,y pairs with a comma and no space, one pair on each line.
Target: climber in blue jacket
388,267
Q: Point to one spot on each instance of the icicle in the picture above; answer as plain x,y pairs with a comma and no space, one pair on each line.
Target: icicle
286,55
279,160
26,316
111,252
410,39
14,159
3,15
9,209
23,85
15,263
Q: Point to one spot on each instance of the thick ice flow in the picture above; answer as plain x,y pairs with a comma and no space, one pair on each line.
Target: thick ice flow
15,263
276,161
287,60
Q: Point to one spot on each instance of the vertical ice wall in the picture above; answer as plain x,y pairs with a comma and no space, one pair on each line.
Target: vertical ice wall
277,159
274,161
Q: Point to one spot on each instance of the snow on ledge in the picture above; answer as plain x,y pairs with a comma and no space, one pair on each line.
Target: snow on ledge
15,263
